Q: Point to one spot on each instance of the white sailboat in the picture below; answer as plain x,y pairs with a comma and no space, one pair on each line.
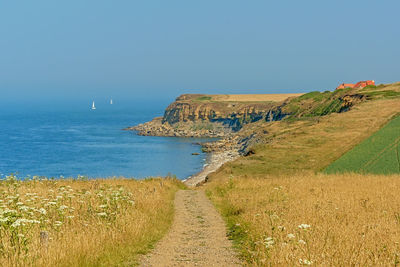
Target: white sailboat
93,106
111,102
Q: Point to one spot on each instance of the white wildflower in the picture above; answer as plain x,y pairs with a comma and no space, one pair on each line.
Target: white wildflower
63,207
302,242
304,226
3,220
102,214
291,236
23,208
16,224
269,242
42,211
9,211
22,221
305,262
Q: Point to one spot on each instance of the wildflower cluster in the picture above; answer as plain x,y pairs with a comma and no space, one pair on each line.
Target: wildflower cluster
30,208
282,239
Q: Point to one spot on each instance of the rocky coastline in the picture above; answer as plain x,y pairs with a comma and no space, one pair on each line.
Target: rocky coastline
156,127
216,160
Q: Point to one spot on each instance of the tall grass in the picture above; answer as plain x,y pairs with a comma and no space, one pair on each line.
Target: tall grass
321,220
82,223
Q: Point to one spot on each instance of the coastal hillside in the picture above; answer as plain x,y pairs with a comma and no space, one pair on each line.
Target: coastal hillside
311,140
282,211
221,115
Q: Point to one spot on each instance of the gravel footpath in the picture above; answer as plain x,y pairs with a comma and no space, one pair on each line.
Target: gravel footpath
197,236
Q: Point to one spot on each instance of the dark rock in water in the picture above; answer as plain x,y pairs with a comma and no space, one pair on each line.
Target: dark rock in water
195,154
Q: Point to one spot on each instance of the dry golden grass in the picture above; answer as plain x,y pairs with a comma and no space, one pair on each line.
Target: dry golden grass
254,97
82,223
392,86
338,220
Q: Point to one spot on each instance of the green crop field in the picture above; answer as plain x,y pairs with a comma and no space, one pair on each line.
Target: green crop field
380,153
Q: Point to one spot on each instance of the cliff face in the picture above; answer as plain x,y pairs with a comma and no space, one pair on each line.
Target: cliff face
198,115
232,115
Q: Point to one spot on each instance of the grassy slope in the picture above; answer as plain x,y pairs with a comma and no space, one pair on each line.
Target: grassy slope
310,144
265,196
377,154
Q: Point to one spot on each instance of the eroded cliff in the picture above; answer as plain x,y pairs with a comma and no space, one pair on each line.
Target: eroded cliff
195,115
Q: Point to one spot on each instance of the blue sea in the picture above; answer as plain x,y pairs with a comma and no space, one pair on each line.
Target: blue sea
81,141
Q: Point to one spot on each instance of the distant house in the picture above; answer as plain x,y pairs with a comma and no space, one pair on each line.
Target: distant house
360,84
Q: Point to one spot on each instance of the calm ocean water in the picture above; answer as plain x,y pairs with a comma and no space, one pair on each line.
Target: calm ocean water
91,143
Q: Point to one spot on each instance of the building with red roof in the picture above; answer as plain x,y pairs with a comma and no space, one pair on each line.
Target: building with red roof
360,84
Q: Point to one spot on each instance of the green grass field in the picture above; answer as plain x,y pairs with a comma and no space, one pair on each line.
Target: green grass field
380,153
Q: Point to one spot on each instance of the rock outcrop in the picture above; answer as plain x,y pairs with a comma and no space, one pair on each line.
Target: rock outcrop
193,115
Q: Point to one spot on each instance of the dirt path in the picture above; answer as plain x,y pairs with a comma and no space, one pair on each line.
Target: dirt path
197,237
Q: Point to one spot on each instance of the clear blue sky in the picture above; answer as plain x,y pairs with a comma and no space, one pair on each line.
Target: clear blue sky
84,49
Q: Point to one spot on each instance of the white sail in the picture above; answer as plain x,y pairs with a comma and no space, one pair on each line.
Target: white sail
111,102
93,106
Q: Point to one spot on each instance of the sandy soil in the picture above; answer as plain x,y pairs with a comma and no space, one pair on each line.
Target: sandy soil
217,160
253,98
197,237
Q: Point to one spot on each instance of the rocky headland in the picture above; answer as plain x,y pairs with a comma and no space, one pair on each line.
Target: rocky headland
195,115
